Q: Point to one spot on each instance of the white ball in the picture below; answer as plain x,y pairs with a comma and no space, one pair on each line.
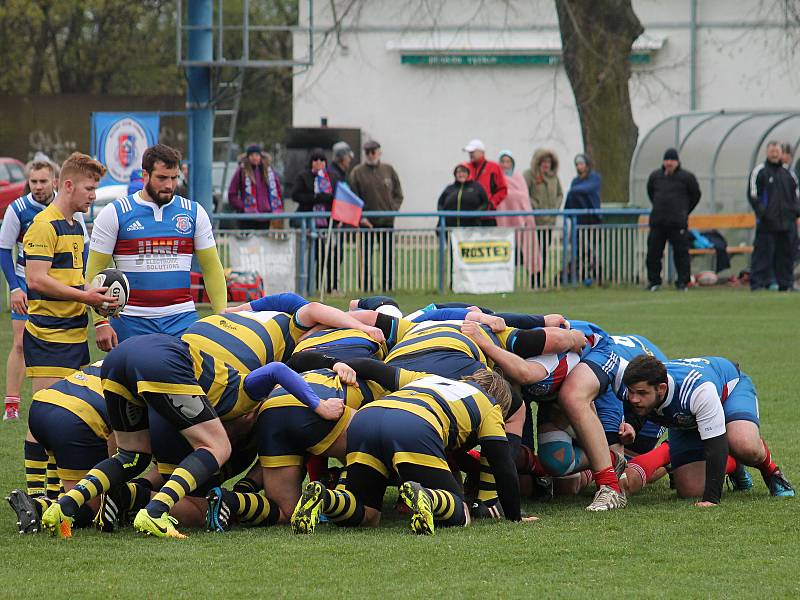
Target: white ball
707,278
118,288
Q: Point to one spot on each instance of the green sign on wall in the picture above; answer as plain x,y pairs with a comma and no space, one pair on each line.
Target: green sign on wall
494,59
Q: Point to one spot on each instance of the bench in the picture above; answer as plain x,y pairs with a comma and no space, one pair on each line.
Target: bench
718,221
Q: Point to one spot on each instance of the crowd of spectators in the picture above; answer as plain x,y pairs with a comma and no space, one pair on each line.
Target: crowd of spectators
483,185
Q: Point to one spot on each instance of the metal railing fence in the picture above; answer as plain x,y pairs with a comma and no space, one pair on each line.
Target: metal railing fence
416,256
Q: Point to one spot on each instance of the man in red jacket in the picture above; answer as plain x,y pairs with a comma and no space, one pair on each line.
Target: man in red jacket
487,173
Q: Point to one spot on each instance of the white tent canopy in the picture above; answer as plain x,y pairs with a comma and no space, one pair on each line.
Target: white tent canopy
720,148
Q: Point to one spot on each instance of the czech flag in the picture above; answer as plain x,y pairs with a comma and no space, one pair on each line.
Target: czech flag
347,207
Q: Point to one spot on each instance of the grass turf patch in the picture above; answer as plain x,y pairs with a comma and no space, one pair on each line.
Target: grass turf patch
658,547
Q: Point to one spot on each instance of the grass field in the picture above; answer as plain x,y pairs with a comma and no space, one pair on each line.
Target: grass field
658,547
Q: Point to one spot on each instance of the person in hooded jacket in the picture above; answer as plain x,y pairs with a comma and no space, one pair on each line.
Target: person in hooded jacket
518,199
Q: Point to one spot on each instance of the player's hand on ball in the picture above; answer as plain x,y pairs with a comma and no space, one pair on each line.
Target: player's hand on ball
104,305
345,373
106,338
705,504
330,409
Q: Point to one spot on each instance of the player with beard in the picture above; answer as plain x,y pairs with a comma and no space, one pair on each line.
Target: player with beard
152,236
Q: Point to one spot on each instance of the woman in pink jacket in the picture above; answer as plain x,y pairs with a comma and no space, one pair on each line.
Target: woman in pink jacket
518,199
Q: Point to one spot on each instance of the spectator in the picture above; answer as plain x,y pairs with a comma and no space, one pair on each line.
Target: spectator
183,181
674,193
786,157
544,187
773,195
461,195
313,191
584,191
378,185
518,199
255,186
342,157
487,173
136,181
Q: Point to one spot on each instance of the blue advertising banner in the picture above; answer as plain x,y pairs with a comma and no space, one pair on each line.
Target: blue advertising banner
120,139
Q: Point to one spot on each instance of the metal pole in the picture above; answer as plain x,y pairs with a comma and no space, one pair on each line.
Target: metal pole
198,101
442,249
323,284
303,259
693,57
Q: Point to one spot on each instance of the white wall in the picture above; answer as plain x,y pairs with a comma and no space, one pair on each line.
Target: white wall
423,115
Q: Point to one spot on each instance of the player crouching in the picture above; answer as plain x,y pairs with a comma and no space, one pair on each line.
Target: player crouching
405,436
709,407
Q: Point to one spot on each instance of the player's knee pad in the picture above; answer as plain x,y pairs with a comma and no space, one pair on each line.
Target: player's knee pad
557,453
133,463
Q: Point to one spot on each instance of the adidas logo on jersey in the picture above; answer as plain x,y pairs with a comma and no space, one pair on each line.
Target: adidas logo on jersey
135,226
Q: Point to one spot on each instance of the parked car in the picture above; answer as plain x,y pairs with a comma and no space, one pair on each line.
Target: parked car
12,182
106,194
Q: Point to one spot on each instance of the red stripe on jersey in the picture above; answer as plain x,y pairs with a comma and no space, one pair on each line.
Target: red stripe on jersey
560,372
163,245
156,298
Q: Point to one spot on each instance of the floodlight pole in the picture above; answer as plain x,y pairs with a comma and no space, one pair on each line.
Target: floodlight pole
198,101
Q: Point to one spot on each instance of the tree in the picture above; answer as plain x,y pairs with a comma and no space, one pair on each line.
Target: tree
596,39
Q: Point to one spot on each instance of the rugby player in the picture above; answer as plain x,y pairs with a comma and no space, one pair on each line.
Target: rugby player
42,181
711,409
152,235
192,382
406,435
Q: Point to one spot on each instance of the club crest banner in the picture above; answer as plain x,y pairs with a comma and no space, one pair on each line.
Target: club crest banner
119,141
483,260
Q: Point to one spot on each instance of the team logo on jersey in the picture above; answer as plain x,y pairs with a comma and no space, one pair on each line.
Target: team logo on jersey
183,223
126,141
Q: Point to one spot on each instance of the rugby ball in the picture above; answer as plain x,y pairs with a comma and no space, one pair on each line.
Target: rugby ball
707,278
118,288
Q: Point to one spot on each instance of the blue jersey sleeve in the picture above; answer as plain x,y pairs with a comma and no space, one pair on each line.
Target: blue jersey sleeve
7,264
286,302
259,384
442,314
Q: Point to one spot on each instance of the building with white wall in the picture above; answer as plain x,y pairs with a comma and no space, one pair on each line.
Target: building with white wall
424,77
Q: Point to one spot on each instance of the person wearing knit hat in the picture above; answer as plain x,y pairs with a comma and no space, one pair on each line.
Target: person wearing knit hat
256,188
674,193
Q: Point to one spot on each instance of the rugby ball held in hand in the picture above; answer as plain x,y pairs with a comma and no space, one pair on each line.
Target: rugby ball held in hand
118,288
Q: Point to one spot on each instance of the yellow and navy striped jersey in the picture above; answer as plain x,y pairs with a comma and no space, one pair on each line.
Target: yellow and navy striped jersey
429,336
225,348
342,343
81,394
51,238
462,413
325,383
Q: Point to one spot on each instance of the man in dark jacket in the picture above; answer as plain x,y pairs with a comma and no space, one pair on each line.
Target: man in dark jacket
674,193
772,193
378,185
